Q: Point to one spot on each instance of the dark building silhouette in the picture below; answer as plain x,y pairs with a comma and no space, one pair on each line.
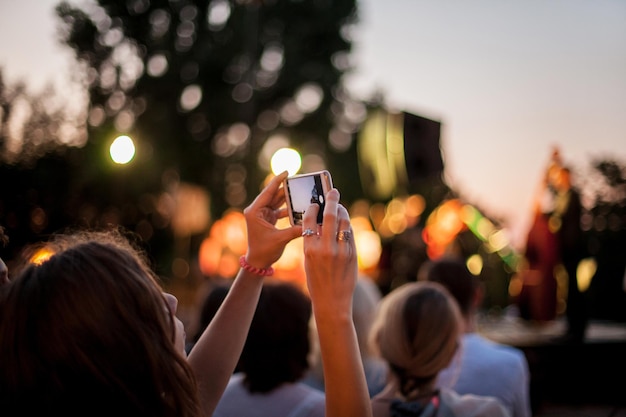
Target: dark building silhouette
398,153
422,153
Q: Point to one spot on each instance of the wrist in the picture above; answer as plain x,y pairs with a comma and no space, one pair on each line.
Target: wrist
334,315
256,270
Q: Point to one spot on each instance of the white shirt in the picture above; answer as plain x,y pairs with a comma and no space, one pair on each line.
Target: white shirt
287,400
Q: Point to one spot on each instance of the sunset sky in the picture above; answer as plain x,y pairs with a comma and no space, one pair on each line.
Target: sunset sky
508,79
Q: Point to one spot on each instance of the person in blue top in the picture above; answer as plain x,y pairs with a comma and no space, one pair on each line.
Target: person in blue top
480,366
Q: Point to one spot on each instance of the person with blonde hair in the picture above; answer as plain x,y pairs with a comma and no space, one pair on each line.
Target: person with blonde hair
481,366
417,331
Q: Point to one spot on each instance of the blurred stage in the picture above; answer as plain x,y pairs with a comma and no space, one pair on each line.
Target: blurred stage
569,380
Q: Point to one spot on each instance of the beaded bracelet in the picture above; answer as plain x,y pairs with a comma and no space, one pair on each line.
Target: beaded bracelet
264,272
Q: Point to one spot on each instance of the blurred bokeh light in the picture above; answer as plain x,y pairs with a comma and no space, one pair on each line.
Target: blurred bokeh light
122,150
286,159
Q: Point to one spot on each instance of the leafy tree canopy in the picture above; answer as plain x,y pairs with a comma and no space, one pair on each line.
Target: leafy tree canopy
210,89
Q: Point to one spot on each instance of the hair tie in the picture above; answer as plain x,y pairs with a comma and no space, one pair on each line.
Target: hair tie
264,272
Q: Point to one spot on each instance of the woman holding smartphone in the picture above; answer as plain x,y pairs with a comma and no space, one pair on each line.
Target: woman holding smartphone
90,331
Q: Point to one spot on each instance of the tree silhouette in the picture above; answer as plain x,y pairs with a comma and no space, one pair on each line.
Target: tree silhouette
202,86
605,227
36,131
34,125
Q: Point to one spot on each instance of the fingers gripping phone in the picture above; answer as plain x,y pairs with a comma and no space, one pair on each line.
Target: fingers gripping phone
304,189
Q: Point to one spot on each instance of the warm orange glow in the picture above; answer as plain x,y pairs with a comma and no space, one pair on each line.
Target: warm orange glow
191,214
400,214
377,214
209,256
235,234
368,248
290,266
396,223
449,217
219,253
229,265
515,285
442,227
41,256
360,223
415,206
368,244
585,272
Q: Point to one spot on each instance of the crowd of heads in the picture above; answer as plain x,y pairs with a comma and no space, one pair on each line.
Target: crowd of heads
88,329
91,325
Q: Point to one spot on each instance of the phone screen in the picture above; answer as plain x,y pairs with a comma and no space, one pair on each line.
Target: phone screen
302,190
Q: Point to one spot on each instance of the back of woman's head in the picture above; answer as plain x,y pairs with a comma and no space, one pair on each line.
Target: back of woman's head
90,326
417,331
277,348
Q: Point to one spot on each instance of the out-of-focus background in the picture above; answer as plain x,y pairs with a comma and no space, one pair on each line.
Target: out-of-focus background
507,80
437,120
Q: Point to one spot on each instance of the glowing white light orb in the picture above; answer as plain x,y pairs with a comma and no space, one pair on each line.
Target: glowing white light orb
122,150
286,159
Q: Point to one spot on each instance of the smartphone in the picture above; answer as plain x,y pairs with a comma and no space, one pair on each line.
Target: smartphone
304,189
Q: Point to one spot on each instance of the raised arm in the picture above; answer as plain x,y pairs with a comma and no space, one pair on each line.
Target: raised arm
215,355
331,269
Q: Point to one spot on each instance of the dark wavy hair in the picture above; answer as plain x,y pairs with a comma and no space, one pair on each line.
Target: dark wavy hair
277,348
88,332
